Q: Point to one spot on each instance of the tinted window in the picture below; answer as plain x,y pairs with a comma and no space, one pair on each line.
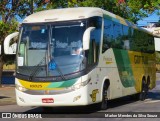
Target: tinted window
107,35
93,53
124,37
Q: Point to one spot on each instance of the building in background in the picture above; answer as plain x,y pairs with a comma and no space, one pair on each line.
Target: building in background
154,27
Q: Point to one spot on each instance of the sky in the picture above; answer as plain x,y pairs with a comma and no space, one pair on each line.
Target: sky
151,18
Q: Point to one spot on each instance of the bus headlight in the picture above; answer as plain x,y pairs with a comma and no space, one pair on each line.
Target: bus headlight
79,85
20,88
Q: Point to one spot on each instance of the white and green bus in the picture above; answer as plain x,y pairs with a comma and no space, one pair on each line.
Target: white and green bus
114,58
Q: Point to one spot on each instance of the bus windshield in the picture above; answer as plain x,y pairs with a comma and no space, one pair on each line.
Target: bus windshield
51,49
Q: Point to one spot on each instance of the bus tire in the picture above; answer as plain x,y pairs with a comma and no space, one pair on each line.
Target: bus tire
144,91
103,104
148,81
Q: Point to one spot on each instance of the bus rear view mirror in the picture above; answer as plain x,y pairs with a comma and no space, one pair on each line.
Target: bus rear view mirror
86,37
8,47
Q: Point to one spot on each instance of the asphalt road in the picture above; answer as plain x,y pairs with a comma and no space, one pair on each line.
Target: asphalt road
123,105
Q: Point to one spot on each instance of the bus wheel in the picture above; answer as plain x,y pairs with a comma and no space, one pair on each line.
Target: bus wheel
144,91
103,104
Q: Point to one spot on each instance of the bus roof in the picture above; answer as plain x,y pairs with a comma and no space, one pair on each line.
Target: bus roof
63,14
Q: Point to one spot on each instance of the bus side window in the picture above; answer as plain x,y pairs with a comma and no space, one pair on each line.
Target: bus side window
117,41
107,35
126,37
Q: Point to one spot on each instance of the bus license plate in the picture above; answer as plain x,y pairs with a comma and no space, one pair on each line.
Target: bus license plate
47,100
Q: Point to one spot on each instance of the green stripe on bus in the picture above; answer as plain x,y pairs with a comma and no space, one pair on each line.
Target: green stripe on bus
55,84
124,67
69,83
62,84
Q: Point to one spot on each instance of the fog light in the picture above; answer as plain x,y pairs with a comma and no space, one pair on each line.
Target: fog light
21,99
76,98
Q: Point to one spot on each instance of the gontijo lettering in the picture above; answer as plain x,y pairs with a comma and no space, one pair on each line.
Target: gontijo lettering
140,59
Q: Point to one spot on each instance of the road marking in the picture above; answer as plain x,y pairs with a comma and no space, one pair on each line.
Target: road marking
152,101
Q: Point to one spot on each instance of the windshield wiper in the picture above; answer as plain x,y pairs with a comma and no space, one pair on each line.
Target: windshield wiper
57,68
37,69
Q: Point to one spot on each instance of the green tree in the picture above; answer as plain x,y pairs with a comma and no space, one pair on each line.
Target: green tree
10,10
133,10
142,8
5,29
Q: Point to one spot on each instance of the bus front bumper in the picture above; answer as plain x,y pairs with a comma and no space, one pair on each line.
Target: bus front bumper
74,98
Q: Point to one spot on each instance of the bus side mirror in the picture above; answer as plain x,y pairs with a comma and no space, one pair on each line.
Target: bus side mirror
9,48
86,37
157,43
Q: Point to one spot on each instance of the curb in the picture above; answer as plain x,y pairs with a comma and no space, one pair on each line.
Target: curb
7,86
